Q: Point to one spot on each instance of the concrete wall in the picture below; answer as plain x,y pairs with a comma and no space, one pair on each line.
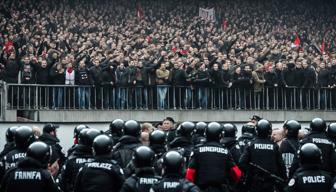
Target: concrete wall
178,115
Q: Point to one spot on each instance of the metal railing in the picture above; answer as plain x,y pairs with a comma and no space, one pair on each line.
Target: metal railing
68,97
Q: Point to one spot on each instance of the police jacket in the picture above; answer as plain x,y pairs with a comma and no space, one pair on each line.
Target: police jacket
7,148
310,178
30,175
81,155
212,165
232,145
183,145
141,181
327,148
174,183
11,159
124,149
101,175
198,139
264,153
244,140
288,150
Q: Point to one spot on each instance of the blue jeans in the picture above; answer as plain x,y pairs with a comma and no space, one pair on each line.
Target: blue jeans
58,97
202,97
121,102
83,97
187,98
141,97
162,93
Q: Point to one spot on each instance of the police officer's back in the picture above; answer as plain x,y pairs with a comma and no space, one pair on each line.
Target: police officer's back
172,179
182,142
290,144
211,165
10,144
31,174
144,176
23,138
319,138
157,142
81,155
230,142
103,174
264,153
76,133
310,177
123,151
248,134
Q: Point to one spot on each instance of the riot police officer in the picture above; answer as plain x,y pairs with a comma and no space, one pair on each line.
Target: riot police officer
116,129
123,151
211,164
76,133
290,144
10,144
144,176
331,132
81,155
319,138
182,142
157,142
198,137
103,174
310,177
230,142
31,174
248,134
261,159
23,138
172,180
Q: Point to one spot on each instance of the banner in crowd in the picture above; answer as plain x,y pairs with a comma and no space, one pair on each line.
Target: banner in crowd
207,14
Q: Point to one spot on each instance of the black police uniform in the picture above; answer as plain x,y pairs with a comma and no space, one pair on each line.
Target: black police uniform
124,150
81,155
248,134
310,178
141,181
174,183
211,165
233,146
264,153
101,175
29,175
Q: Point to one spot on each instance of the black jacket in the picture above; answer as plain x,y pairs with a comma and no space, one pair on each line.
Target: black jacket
53,142
141,181
30,175
309,78
233,146
12,69
288,150
124,149
101,175
174,183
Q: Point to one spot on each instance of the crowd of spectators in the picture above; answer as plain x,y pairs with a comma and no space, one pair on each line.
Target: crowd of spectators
119,44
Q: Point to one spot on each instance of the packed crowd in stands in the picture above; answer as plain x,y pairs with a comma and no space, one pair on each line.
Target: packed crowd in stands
251,45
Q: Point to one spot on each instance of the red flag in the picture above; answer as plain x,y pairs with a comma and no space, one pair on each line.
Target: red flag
297,41
322,46
140,12
225,24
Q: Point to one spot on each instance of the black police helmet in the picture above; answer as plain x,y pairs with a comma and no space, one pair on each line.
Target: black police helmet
117,126
132,128
309,153
186,129
78,129
230,130
318,125
213,131
87,136
200,127
143,157
292,128
24,136
10,133
102,145
157,137
331,130
249,128
40,152
264,128
173,162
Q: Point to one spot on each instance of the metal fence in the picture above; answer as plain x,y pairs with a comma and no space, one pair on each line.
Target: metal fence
65,97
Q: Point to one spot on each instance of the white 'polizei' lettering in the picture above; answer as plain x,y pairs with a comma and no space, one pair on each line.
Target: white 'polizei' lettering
148,181
100,165
263,146
170,185
83,160
313,179
27,175
321,141
213,150
18,156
